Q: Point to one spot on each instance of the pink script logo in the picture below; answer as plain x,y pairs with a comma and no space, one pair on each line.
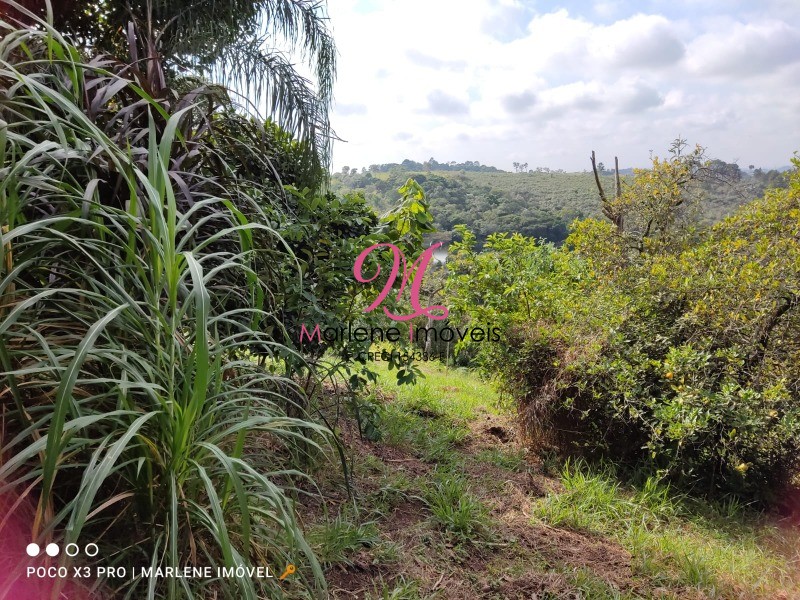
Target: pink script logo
418,268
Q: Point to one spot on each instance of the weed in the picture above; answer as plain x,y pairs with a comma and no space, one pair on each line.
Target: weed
337,541
455,509
671,541
511,460
400,589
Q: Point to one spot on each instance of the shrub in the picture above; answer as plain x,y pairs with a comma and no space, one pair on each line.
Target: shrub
684,357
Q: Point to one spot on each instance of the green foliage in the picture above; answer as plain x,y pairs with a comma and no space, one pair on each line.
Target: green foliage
338,541
540,204
326,234
233,42
131,299
398,590
684,357
433,165
670,538
455,509
535,205
430,439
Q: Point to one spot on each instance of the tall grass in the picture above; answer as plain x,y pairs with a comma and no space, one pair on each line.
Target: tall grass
131,298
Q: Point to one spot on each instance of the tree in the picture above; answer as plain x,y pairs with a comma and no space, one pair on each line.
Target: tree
232,41
653,207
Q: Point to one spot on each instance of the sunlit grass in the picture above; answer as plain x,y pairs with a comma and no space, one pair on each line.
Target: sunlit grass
455,392
671,539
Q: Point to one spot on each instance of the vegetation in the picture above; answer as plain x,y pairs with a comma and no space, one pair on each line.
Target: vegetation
234,42
153,272
132,294
163,246
489,519
540,203
654,343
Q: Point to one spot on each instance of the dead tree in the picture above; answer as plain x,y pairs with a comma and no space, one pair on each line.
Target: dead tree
612,210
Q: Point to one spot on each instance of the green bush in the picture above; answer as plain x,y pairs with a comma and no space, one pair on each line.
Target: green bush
681,353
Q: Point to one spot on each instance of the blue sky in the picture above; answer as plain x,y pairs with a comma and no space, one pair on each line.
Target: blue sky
503,81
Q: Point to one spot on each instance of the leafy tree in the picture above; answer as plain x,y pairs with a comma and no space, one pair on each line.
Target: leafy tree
655,207
234,42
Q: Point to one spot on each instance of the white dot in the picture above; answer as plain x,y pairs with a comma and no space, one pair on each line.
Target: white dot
32,550
52,549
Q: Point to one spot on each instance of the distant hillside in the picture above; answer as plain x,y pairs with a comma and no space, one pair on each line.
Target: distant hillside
429,165
539,203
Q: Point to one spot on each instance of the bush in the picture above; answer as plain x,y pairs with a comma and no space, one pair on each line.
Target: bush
686,358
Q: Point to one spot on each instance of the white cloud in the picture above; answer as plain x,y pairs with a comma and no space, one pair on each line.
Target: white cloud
423,60
639,98
346,109
745,49
519,103
443,104
494,81
642,41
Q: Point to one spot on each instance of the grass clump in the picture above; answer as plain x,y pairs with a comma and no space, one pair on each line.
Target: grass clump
455,393
400,589
510,460
455,509
338,541
673,541
433,441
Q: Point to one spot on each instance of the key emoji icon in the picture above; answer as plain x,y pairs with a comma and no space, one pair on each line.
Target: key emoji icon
289,570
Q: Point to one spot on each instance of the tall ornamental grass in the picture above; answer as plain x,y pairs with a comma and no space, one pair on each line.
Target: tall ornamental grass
129,302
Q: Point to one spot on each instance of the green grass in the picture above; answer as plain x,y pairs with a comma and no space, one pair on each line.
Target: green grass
455,509
337,541
398,590
672,541
430,418
592,587
393,489
455,392
432,440
679,548
508,459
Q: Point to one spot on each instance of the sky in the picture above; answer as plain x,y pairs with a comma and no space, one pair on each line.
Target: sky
545,83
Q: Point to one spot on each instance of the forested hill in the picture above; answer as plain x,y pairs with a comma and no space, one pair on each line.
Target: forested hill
540,203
